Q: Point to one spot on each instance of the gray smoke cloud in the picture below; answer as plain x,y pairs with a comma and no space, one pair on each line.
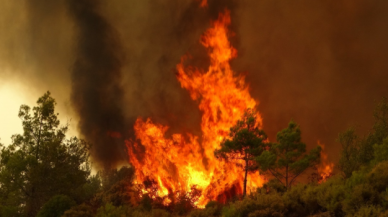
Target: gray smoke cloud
322,63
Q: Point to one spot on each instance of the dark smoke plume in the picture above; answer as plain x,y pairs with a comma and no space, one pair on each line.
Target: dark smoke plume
322,63
97,94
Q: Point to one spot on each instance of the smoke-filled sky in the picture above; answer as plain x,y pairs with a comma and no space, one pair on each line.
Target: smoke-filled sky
321,63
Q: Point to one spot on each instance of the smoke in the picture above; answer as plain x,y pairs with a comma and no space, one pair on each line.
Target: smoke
97,94
35,46
321,63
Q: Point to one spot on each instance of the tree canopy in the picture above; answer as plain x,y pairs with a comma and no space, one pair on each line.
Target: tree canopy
287,158
246,140
41,162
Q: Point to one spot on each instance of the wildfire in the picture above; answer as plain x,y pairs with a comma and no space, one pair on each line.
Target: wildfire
325,169
178,163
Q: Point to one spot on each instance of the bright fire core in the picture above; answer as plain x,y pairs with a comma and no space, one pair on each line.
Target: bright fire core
181,162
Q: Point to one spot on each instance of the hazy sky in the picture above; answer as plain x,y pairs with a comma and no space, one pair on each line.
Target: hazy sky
322,63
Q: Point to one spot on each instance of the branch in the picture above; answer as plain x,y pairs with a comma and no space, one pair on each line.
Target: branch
276,176
296,176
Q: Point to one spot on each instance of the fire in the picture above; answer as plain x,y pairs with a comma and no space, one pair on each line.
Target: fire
203,3
325,169
178,163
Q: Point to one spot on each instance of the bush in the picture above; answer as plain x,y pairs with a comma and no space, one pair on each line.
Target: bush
56,206
139,212
378,177
357,178
160,213
259,205
310,199
229,211
361,195
330,195
273,185
111,211
294,203
82,210
367,211
381,151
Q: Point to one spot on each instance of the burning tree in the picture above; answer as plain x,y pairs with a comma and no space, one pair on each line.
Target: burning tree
246,141
182,160
286,159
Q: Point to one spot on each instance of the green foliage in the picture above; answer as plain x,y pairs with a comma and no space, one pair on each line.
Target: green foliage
367,190
287,159
380,151
111,211
41,162
90,188
113,176
273,185
360,152
160,213
294,203
378,177
82,210
380,126
367,211
259,205
360,196
56,206
245,143
305,200
330,195
348,162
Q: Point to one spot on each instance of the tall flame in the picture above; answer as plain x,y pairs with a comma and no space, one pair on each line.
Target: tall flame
325,170
181,162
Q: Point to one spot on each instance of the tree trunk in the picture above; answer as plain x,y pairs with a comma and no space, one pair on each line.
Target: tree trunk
245,178
287,177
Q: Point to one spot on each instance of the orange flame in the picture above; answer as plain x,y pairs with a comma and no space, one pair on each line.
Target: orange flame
203,3
180,162
326,168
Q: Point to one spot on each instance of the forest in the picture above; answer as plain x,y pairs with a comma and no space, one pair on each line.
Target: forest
45,173
193,108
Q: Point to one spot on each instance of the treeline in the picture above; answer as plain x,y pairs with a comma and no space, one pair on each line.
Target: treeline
43,173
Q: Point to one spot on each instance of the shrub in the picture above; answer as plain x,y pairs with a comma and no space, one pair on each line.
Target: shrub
111,211
330,195
361,195
56,206
82,210
273,185
259,205
367,211
378,177
293,201
357,178
230,211
310,199
381,151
